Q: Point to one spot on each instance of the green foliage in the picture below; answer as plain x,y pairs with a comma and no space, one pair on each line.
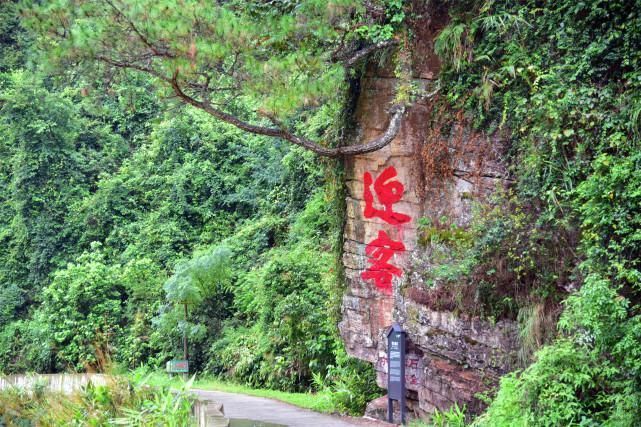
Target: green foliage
83,305
114,213
10,299
453,417
51,156
449,45
450,248
185,186
150,406
379,32
26,346
12,37
291,336
189,188
350,384
502,264
566,386
608,202
118,403
199,278
453,235
204,278
263,55
563,79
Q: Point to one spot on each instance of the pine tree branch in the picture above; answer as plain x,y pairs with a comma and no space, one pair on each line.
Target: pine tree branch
280,132
349,62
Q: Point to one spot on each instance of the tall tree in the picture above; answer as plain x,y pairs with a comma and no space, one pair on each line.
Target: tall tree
196,280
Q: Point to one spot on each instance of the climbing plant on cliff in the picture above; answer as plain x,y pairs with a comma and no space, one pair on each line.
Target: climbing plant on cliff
563,77
284,59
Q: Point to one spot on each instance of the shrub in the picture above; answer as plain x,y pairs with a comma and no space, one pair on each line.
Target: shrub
83,306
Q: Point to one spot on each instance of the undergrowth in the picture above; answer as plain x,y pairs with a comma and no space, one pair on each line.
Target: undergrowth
120,402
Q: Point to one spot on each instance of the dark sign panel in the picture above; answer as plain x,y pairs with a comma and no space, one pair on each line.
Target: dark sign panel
396,356
396,369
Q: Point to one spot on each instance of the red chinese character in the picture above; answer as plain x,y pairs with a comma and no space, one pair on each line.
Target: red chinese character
380,251
387,193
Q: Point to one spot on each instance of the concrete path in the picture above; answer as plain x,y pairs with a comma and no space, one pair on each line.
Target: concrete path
272,411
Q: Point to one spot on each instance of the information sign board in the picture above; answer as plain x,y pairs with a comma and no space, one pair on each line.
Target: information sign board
396,370
178,366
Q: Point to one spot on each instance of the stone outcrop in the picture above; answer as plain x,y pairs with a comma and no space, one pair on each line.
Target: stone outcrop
451,356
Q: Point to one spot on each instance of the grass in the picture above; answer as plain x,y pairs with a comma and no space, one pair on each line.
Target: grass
319,402
119,402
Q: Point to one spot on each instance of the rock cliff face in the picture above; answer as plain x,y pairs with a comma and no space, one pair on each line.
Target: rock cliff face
421,174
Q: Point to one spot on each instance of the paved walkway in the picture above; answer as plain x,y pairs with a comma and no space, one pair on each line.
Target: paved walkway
272,411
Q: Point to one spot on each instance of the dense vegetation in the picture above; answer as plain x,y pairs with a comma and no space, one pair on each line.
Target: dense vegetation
122,402
562,77
127,221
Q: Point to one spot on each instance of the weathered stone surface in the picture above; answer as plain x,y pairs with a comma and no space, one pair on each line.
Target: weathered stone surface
369,315
451,356
377,409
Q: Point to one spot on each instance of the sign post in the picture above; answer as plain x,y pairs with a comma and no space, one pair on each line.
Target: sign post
396,371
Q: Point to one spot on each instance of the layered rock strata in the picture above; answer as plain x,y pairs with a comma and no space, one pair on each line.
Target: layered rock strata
451,356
